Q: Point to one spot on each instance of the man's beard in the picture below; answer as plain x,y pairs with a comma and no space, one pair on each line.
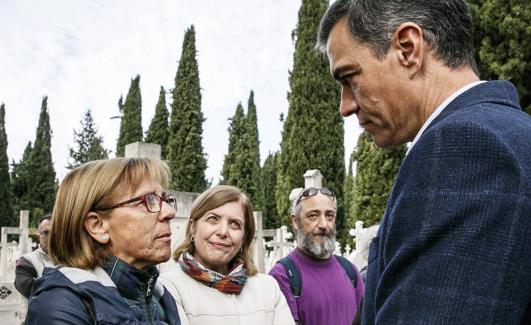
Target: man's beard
320,251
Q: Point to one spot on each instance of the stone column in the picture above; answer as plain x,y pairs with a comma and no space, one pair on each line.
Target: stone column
259,252
358,233
313,178
3,254
142,150
23,240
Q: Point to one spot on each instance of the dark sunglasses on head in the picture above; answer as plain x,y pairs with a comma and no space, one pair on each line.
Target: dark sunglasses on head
312,191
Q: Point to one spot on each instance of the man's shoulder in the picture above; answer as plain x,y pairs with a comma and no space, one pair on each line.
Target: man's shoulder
278,271
477,127
346,264
23,262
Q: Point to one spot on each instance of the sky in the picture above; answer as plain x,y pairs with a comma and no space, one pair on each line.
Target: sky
83,54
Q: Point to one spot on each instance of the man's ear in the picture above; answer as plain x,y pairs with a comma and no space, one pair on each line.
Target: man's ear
294,221
410,47
96,227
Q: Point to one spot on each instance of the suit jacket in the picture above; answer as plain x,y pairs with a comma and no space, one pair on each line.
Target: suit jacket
454,245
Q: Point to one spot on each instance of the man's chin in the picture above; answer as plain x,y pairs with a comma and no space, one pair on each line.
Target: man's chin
321,239
318,242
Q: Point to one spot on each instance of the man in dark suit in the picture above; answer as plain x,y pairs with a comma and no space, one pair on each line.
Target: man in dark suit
454,245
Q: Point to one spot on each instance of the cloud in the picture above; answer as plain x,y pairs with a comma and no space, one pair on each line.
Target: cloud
83,54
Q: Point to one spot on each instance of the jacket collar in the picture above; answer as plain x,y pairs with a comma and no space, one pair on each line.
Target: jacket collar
131,282
498,92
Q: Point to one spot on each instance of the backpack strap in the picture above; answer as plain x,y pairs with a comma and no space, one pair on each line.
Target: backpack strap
294,276
349,269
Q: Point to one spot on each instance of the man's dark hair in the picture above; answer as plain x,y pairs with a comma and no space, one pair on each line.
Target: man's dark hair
446,25
46,217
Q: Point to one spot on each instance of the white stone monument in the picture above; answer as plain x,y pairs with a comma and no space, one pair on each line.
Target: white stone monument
13,305
142,150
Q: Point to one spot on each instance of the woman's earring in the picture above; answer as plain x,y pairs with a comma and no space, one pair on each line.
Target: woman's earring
105,238
241,250
192,239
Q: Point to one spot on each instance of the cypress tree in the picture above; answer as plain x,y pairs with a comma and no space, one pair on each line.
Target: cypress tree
20,181
375,175
241,167
121,105
312,135
88,145
236,130
502,39
271,220
6,193
42,173
185,150
158,131
131,122
251,155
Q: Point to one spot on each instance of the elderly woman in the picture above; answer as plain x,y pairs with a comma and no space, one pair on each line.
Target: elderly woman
110,227
215,280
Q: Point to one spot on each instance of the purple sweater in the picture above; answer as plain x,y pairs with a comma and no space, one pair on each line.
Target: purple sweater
327,295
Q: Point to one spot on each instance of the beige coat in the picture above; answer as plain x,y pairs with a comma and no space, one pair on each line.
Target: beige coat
260,303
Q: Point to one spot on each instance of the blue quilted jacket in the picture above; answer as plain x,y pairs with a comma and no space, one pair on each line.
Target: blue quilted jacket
74,296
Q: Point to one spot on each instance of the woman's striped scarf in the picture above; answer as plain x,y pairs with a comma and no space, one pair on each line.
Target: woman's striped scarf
232,283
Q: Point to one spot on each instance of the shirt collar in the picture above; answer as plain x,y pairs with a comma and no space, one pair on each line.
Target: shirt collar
440,109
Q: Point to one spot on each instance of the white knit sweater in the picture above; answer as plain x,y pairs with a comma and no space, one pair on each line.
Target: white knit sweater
260,303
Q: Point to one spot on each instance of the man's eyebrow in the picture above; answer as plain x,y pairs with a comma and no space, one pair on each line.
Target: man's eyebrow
319,210
339,71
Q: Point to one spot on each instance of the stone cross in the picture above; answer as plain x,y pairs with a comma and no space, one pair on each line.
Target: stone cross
312,178
24,243
280,244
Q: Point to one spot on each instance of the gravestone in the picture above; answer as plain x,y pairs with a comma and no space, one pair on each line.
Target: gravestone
142,150
13,305
364,236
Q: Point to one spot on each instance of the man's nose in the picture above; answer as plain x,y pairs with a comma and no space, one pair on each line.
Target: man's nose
348,105
321,222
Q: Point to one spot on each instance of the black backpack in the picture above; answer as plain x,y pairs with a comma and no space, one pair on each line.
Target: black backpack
294,275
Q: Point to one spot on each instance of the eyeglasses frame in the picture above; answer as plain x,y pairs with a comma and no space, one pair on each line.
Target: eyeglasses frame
163,198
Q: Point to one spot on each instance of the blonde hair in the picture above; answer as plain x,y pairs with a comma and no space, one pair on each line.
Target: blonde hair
214,198
87,188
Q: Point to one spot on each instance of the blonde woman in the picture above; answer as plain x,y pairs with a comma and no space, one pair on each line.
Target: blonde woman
215,280
110,227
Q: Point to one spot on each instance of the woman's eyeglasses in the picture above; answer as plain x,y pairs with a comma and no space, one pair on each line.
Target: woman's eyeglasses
152,202
312,191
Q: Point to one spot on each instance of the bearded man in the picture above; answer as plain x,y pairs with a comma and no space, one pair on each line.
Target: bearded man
329,288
